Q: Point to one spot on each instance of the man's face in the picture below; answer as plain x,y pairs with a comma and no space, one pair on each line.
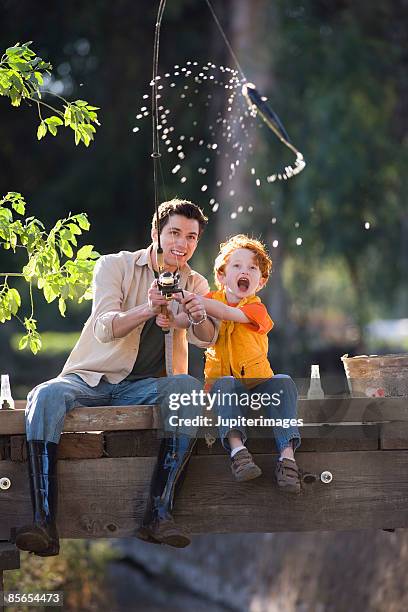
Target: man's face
179,239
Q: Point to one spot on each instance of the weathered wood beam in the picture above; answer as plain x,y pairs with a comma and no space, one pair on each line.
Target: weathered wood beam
9,556
98,418
106,497
330,410
394,436
72,446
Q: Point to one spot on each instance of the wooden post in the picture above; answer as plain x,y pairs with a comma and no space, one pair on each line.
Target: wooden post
9,559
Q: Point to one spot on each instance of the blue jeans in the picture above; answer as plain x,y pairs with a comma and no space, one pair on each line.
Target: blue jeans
49,402
286,408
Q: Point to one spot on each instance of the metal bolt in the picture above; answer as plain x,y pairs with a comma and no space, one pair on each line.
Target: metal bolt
326,477
5,483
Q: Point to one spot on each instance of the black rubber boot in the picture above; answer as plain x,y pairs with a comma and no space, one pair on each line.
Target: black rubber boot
158,525
41,537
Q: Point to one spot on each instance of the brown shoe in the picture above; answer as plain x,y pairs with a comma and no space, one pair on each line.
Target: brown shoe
243,466
287,475
164,531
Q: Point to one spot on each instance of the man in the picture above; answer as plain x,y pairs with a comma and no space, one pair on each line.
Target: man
121,358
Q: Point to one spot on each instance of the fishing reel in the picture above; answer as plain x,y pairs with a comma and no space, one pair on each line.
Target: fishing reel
168,284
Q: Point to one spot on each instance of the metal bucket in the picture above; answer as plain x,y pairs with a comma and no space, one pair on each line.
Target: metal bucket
377,375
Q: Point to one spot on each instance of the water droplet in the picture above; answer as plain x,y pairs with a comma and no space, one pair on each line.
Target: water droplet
299,241
233,215
135,129
258,183
232,193
204,188
183,179
250,208
215,207
273,220
275,243
176,169
240,209
367,225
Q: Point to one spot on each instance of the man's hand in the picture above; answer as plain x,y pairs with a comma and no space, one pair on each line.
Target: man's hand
155,299
165,321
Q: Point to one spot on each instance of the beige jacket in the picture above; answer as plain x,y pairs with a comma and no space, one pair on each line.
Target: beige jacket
120,282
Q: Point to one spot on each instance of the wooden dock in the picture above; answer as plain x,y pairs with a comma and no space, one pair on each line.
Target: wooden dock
107,456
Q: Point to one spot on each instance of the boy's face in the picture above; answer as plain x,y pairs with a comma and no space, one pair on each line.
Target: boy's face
179,239
241,277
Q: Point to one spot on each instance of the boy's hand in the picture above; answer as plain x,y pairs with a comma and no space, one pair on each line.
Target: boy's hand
193,305
181,298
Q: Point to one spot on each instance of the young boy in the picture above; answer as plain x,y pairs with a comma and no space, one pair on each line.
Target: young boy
237,364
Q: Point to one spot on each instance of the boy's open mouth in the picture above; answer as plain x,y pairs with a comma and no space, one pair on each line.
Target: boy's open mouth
243,284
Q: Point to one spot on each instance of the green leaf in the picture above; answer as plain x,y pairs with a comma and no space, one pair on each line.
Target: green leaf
42,130
74,228
62,306
85,251
39,77
35,345
49,293
15,300
67,115
66,248
83,221
54,120
23,342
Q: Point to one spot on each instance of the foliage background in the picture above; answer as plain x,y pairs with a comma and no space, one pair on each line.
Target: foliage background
337,75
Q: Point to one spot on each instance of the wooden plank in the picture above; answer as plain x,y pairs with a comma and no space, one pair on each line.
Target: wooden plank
9,556
354,410
141,443
4,447
106,497
72,446
99,418
145,443
331,410
394,436
314,439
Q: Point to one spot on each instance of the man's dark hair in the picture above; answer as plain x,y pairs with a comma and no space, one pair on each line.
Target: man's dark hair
180,207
